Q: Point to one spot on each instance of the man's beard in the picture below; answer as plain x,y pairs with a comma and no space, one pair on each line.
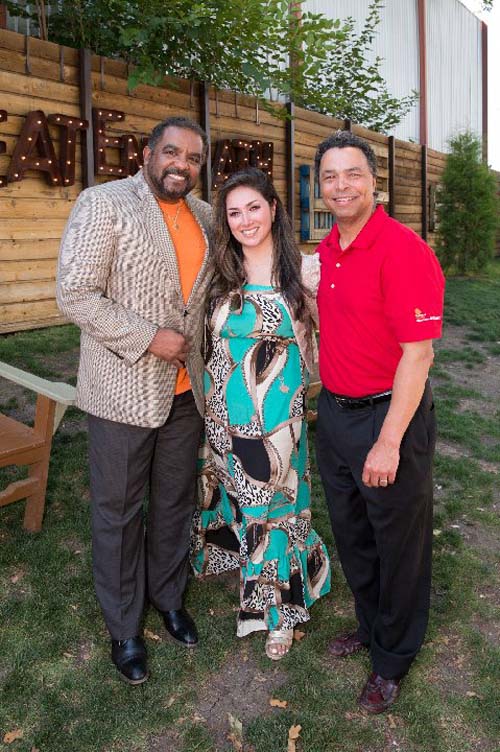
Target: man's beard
170,195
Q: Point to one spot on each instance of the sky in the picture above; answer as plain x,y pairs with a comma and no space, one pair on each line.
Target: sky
492,19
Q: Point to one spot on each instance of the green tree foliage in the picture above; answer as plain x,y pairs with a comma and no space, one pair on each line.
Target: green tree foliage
244,45
357,88
467,208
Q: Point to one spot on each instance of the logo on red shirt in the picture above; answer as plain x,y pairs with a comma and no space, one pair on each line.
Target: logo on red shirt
420,316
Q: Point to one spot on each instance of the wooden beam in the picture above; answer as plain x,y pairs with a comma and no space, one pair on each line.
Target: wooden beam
423,157
3,16
391,166
87,135
206,175
290,161
422,47
348,124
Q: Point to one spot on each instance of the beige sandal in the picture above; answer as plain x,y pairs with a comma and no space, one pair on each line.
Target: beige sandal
276,638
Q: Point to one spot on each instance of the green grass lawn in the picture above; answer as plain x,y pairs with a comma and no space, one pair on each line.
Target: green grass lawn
60,692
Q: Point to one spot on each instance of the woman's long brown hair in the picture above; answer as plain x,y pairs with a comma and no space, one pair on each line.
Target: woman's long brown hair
228,270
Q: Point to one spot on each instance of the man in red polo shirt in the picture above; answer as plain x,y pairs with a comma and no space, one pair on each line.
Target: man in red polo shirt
380,304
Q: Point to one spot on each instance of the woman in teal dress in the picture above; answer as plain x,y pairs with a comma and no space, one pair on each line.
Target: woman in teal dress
254,479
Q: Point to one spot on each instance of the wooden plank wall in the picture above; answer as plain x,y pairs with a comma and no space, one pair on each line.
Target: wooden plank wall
310,129
33,215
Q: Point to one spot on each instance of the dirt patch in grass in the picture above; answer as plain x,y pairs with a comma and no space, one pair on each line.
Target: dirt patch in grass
241,690
481,378
457,451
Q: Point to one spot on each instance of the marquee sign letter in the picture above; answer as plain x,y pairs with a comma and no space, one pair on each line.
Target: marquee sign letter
102,141
69,127
34,151
3,147
131,154
237,154
3,117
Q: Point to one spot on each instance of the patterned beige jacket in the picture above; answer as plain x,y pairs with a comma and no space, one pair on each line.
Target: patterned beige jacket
118,281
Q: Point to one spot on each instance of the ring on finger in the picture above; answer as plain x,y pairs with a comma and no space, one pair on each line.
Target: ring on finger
383,481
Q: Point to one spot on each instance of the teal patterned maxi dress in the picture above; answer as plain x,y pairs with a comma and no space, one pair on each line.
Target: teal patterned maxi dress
254,471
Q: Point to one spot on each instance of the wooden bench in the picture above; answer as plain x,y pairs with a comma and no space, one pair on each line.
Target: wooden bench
21,445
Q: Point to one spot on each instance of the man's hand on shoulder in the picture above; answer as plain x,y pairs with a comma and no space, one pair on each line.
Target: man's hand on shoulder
171,346
381,464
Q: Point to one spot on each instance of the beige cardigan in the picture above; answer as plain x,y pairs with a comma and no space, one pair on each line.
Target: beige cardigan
118,281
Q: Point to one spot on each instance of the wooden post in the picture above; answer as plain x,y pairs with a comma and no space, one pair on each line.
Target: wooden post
206,175
391,166
290,161
423,158
87,135
3,16
348,124
484,71
422,48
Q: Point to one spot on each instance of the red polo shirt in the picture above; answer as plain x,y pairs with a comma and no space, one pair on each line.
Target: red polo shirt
386,287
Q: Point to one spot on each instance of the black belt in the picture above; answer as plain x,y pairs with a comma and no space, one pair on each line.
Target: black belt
356,403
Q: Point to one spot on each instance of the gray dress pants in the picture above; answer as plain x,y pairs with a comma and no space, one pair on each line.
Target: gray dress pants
125,461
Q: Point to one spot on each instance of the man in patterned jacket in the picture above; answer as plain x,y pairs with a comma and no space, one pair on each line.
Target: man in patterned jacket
133,276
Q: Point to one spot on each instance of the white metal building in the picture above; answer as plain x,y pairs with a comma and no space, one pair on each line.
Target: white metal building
437,47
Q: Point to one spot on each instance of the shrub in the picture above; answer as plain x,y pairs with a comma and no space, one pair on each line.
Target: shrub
467,208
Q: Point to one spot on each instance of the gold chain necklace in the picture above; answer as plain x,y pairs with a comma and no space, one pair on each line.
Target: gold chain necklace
175,224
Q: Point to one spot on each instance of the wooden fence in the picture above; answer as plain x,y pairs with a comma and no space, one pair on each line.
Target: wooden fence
45,77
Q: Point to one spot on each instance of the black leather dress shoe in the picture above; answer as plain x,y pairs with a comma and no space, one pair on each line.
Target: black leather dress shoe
129,657
180,627
378,693
345,645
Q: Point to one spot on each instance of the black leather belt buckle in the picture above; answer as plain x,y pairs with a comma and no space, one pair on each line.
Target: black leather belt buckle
353,403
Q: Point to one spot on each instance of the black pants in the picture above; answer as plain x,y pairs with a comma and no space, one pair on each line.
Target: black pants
383,535
124,460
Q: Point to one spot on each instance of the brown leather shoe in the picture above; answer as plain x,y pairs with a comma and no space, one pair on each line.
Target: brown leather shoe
378,693
345,645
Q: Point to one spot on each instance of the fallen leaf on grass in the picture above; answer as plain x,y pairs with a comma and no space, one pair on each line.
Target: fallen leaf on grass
392,722
274,703
151,635
15,578
473,694
237,744
298,635
68,655
34,749
236,734
12,736
170,701
350,716
293,735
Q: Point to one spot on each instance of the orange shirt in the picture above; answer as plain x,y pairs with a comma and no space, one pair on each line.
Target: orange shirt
189,244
